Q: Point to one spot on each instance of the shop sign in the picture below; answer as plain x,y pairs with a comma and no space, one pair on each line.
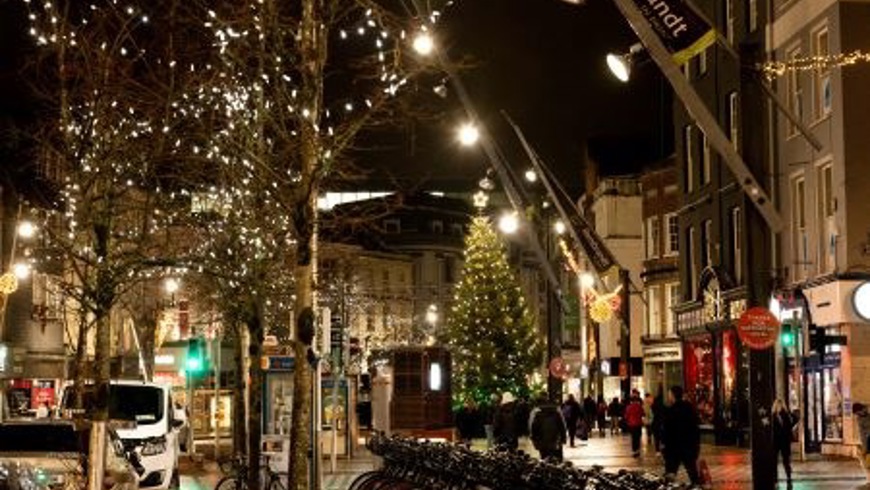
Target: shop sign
758,328
279,363
861,300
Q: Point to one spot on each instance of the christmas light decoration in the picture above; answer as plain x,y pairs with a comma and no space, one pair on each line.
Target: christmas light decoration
602,306
490,333
776,69
8,283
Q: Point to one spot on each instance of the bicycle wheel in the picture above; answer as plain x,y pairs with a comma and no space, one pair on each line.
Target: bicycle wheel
231,483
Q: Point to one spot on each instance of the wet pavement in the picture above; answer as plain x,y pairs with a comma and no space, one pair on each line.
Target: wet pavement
730,467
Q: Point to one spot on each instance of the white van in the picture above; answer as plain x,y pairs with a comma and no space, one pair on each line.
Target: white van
150,427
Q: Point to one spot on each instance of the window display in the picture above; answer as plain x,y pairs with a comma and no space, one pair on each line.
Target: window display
698,361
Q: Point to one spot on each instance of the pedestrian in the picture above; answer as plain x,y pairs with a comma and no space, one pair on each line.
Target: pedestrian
466,421
614,411
589,412
601,412
634,421
681,436
648,416
548,430
571,413
658,418
42,411
505,426
783,427
489,419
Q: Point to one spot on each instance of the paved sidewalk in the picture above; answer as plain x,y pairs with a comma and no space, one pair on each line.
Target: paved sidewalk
730,467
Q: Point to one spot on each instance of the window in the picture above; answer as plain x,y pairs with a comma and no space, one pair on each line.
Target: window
825,211
702,62
690,263
793,92
729,19
652,237
705,159
672,245
707,244
655,313
822,96
688,155
449,267
438,227
752,12
392,226
737,245
672,292
798,216
734,120
687,72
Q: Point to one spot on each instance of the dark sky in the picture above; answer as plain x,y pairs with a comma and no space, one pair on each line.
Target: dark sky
542,61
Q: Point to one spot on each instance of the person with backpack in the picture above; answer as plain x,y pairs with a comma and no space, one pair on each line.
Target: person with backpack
548,430
634,421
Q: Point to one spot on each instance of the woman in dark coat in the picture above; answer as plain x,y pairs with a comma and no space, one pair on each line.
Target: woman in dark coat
783,427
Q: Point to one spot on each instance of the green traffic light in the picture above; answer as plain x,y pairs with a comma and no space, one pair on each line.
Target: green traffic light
194,364
787,339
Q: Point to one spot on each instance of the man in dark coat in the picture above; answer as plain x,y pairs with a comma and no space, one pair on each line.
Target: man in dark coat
783,433
467,421
571,414
548,430
658,420
681,436
505,424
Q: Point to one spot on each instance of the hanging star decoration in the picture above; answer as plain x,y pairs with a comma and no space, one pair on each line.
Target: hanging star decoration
481,199
8,283
602,306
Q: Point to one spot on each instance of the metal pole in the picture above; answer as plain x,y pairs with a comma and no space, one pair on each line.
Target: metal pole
625,332
803,341
217,397
187,376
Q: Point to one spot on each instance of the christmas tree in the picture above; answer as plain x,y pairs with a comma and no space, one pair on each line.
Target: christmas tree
490,333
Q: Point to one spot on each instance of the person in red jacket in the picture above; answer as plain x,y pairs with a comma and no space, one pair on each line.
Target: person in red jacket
634,416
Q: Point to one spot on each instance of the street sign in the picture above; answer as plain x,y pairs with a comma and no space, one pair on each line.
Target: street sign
758,328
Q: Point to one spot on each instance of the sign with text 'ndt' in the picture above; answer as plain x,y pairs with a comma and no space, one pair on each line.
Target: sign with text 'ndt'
681,29
758,328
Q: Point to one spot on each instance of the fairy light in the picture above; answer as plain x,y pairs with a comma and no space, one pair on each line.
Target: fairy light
776,69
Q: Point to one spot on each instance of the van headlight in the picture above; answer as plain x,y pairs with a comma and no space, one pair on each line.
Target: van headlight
154,446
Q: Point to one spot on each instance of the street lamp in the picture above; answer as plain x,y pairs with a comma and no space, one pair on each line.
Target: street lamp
423,43
171,285
620,64
21,270
468,134
559,227
509,223
531,176
26,229
586,280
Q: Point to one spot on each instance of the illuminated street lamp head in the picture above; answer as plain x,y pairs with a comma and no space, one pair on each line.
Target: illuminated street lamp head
620,66
171,285
531,176
26,229
21,270
586,280
559,227
423,43
468,134
509,223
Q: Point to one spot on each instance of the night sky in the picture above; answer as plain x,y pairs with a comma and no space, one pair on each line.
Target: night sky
541,61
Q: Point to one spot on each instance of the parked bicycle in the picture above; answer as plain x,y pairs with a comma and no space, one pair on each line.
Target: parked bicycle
235,472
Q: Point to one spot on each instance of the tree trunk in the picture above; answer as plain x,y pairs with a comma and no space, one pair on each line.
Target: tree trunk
102,358
240,417
255,403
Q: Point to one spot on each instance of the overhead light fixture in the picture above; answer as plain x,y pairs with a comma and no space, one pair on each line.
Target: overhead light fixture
509,223
468,134
423,43
620,64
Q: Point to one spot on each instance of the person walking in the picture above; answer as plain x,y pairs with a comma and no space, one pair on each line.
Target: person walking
602,415
571,413
648,416
548,430
614,411
681,436
505,428
783,427
634,421
466,421
658,419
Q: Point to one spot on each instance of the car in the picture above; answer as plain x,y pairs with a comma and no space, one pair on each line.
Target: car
146,423
51,455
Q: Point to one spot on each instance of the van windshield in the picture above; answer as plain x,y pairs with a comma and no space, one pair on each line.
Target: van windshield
142,404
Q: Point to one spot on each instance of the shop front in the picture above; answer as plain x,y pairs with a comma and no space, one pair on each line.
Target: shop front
662,367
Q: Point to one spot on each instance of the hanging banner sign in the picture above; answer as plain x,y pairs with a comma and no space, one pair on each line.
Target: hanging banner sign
680,29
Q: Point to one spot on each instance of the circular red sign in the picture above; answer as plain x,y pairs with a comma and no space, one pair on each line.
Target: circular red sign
758,328
558,368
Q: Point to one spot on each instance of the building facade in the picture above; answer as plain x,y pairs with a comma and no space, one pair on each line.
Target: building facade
824,254
662,353
721,233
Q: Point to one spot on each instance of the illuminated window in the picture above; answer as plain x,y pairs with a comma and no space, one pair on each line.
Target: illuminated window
822,96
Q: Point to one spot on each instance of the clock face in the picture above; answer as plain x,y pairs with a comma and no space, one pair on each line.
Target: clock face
861,300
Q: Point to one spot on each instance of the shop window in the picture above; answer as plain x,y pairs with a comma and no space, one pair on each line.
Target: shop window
698,364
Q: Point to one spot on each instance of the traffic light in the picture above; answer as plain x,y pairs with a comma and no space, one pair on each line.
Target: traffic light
787,335
196,356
